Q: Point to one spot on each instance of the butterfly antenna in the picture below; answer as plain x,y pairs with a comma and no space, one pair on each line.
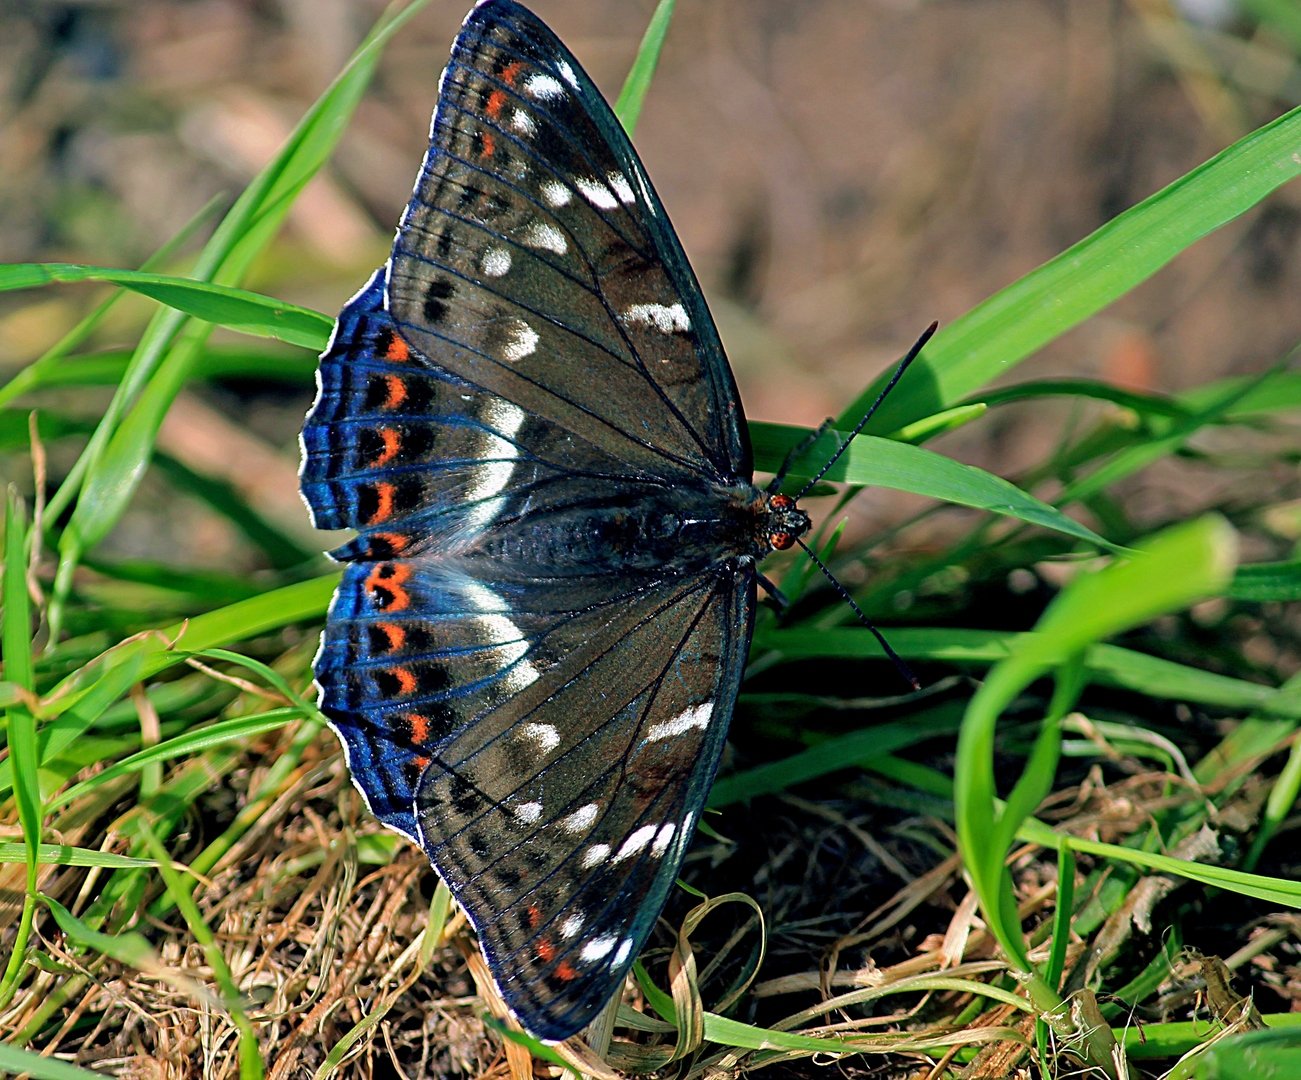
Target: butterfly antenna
898,374
895,658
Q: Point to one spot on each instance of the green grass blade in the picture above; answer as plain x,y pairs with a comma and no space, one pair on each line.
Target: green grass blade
119,453
250,1061
879,462
1001,332
16,637
18,1062
1264,582
1176,568
633,94
236,309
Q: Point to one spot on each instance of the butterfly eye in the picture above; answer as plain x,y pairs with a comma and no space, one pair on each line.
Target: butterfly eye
781,541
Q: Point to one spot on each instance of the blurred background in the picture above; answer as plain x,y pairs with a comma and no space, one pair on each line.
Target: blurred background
841,172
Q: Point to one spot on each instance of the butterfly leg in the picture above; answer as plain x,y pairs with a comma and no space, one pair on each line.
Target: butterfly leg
779,599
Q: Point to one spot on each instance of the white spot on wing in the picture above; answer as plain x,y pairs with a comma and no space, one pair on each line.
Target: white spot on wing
527,813
662,839
598,948
547,237
621,187
596,192
567,73
581,819
554,193
696,717
495,262
570,927
625,947
524,123
524,342
666,318
544,736
498,632
595,855
543,87
635,842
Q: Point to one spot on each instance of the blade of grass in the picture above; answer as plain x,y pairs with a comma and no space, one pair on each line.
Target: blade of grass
119,453
16,636
879,462
237,309
631,98
1174,569
1001,332
250,1060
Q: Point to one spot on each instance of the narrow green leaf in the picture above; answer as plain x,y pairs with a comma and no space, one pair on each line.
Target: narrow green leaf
879,462
236,309
1001,332
633,94
1264,582
15,1061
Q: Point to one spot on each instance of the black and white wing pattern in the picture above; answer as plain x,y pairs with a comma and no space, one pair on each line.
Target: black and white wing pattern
529,421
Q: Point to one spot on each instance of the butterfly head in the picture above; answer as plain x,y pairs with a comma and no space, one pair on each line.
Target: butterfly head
784,523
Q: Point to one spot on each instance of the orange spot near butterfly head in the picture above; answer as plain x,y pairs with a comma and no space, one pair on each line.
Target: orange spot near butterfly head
397,392
781,502
392,440
384,493
398,350
565,971
546,950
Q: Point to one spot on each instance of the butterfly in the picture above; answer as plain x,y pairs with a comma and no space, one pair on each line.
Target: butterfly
527,417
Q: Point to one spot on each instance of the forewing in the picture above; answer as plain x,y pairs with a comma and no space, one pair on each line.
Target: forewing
418,459
535,261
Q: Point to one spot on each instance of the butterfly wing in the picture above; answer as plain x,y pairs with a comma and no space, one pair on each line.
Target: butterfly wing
535,260
536,342
556,741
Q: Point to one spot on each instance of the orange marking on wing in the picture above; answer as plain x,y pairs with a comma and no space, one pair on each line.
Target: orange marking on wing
384,492
489,143
565,971
419,727
406,680
389,578
398,350
396,635
510,71
546,951
397,392
534,914
420,761
495,101
392,444
395,541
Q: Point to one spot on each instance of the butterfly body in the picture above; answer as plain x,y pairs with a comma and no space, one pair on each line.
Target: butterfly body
527,417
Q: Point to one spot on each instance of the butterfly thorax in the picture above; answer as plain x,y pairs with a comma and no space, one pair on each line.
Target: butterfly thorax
679,529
